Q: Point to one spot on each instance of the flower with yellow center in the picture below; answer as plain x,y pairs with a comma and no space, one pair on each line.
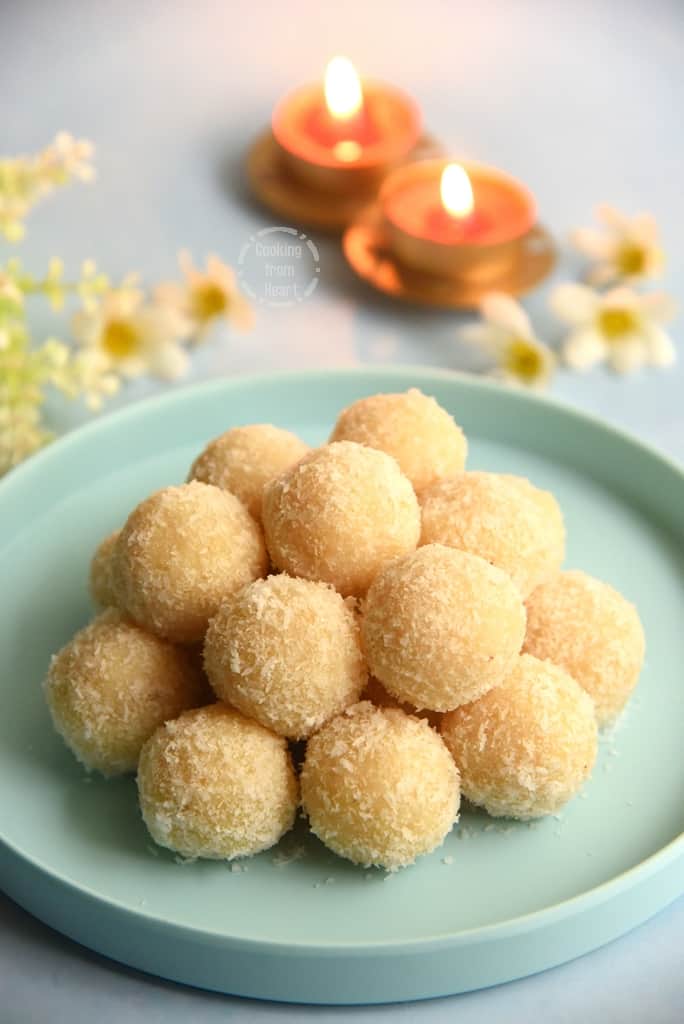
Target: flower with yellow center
620,327
205,296
623,248
505,334
133,337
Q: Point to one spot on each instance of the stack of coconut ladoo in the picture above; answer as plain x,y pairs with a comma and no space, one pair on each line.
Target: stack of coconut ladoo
406,618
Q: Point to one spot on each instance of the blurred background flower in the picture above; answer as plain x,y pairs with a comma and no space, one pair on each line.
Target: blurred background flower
622,248
620,327
25,180
506,335
205,296
119,331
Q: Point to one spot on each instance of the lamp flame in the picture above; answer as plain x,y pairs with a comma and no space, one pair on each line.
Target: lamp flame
343,95
456,191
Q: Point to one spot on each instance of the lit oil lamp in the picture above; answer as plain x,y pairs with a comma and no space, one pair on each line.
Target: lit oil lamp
444,233
345,135
331,145
456,221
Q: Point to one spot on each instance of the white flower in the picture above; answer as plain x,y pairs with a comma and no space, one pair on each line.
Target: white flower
91,376
135,337
506,334
205,295
620,326
623,249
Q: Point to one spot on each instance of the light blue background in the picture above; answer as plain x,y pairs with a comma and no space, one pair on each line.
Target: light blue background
581,100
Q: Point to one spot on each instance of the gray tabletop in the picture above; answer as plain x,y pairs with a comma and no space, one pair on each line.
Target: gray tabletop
582,101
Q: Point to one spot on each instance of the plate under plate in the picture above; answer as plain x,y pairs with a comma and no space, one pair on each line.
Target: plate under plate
370,256
275,187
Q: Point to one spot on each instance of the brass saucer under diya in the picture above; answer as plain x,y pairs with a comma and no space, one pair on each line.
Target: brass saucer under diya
274,185
368,251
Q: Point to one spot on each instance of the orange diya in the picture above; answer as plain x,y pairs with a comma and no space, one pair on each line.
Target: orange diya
330,146
444,234
456,221
344,135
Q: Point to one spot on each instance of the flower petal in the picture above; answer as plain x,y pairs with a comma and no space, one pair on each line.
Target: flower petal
220,272
484,335
583,349
160,325
595,244
620,298
503,311
613,218
241,313
602,273
133,366
169,361
574,303
654,261
643,228
628,356
658,306
660,350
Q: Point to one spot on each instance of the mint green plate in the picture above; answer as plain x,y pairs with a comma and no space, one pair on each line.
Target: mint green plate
498,900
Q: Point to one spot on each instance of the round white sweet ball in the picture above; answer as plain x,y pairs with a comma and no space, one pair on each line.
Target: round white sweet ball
111,686
287,652
411,427
441,627
180,553
215,784
339,515
379,786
